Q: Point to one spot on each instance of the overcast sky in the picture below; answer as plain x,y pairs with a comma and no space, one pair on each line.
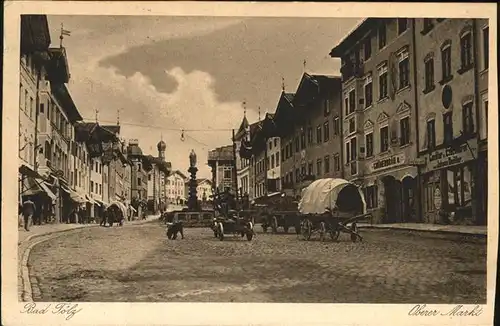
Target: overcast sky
166,74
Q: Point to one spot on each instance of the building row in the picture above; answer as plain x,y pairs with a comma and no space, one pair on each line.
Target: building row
406,120
66,164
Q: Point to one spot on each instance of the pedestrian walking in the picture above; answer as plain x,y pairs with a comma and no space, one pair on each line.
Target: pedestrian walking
28,211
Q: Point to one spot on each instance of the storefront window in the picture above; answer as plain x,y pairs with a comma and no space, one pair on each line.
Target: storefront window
459,186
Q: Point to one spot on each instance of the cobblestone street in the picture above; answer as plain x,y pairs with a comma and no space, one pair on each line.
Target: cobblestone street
137,263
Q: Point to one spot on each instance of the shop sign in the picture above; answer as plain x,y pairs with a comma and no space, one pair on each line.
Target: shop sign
388,162
451,156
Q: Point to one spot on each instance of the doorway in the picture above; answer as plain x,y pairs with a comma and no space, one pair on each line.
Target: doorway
408,203
393,199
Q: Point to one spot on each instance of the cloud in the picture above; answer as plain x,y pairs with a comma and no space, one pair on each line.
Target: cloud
152,115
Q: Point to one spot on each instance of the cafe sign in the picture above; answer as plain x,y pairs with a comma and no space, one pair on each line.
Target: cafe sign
451,156
388,162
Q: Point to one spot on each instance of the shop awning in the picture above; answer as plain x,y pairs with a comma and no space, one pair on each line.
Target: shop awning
103,203
90,200
66,189
76,197
33,186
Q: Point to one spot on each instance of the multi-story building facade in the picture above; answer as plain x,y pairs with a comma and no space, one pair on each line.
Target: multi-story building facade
139,177
175,187
310,129
452,87
379,105
273,162
204,190
158,170
242,164
221,162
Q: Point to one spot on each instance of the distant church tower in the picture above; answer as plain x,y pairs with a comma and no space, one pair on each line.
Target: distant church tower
161,149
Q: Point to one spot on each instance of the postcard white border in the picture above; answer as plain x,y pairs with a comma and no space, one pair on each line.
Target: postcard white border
234,313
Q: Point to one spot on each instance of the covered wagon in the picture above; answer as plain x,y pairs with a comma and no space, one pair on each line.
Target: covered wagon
331,206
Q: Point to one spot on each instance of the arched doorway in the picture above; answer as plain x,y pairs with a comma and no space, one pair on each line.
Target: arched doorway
408,203
392,198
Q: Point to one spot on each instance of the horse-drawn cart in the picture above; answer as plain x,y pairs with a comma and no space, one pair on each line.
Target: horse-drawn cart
233,225
284,219
332,206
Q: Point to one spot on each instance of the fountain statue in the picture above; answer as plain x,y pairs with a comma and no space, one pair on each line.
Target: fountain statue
193,204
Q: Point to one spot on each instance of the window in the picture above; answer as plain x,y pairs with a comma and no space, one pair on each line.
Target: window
319,167
31,107
382,81
100,189
149,177
310,135
384,139
459,181
352,101
336,126
303,169
371,195
404,126
270,144
346,105
26,100
275,142
446,62
326,109
402,25
404,70
283,155
429,74
92,186
369,144
310,169
297,145
486,47
431,134
484,117
347,152
272,161
326,131
318,134
382,36
354,149
467,119
277,159
367,48
336,162
42,108
466,51
447,128
427,25
368,91
302,140
352,125
327,164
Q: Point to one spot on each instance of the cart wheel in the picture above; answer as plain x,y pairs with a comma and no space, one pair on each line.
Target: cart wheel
220,231
334,235
275,225
354,228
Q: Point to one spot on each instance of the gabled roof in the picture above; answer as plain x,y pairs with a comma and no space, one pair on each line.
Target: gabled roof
35,35
84,130
355,35
112,128
242,129
58,67
284,108
63,96
312,86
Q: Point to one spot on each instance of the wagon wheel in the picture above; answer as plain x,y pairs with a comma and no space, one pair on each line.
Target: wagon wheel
306,230
274,224
220,231
334,234
354,233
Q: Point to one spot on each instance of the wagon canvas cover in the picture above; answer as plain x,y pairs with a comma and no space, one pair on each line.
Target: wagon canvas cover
323,193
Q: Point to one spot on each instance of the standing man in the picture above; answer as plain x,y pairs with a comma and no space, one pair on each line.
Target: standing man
28,211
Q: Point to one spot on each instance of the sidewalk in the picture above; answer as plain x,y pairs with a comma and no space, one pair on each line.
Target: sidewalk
451,229
40,230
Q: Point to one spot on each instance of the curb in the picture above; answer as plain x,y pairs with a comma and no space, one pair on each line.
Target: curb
30,288
479,235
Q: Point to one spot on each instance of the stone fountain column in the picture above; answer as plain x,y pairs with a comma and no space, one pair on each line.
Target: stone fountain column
193,183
